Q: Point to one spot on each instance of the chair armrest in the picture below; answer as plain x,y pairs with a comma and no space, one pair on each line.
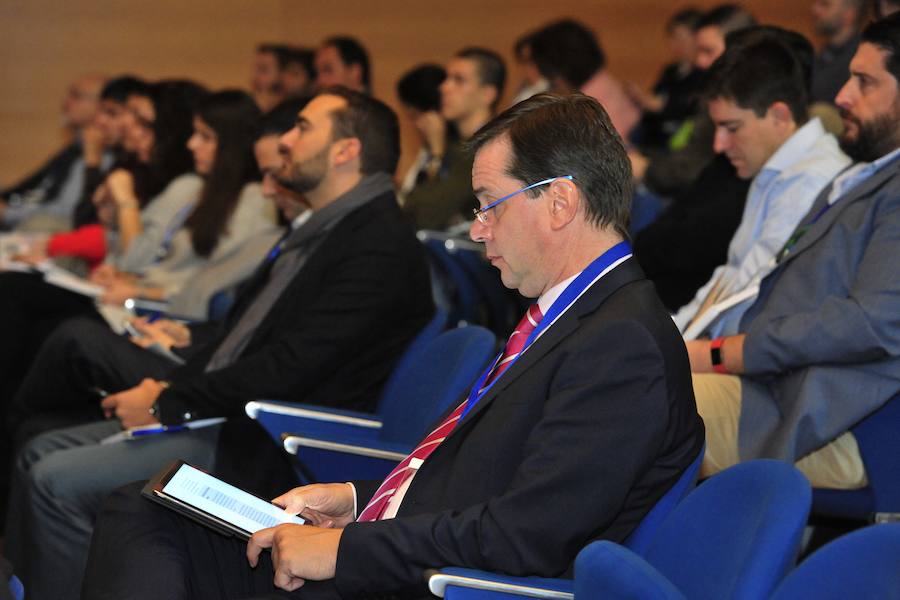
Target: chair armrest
315,421
346,445
482,581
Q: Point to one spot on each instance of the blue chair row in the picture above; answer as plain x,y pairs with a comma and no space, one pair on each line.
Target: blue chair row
468,286
430,385
735,536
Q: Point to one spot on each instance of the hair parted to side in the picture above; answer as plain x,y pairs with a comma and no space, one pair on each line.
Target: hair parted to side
373,123
552,135
885,33
761,66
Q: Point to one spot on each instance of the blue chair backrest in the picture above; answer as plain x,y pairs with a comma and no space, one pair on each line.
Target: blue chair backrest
395,382
643,534
737,534
878,437
452,280
432,380
861,564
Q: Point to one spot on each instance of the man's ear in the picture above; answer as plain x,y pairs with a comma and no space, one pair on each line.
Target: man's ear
781,112
489,95
563,205
346,150
357,73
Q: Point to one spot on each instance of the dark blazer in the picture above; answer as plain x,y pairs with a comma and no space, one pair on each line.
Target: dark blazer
680,250
333,335
823,338
576,441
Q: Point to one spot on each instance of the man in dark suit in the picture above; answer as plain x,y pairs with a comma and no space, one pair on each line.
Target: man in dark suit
573,434
819,349
322,321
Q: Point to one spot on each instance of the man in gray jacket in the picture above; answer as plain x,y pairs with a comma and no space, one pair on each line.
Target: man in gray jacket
820,348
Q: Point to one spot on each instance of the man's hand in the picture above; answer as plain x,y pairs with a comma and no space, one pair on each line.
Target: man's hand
299,552
323,504
167,333
132,407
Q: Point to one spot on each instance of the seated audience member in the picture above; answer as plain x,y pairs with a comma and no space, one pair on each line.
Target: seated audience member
569,56
207,281
469,96
668,174
673,98
419,91
837,24
265,75
105,147
569,394
107,133
343,61
229,211
818,350
298,72
757,95
162,184
55,188
323,321
532,82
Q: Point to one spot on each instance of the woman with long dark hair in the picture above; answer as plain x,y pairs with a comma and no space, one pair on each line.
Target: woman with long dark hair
228,212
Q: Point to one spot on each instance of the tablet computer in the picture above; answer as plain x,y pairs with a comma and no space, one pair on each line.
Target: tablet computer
214,503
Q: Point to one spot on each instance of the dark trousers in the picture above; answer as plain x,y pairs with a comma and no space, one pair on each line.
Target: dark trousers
141,550
30,311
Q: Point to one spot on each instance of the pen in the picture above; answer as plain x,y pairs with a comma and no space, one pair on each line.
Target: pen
155,430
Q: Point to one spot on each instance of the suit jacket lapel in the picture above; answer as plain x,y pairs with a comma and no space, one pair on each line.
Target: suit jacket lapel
623,274
862,191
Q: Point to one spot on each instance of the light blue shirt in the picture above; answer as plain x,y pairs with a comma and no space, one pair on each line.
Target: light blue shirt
780,195
858,173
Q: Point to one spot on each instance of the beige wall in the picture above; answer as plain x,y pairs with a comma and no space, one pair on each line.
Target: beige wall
45,43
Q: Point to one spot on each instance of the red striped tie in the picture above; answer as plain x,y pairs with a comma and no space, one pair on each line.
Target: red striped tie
403,471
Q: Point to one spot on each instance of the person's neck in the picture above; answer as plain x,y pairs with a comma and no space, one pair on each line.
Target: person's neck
331,189
582,253
469,124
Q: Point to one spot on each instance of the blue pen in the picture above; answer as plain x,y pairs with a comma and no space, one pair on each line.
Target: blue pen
155,430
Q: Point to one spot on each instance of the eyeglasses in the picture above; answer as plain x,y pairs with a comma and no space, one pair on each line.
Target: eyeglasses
481,213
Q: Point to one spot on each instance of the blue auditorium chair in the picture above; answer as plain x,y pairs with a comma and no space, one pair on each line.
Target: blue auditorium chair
420,393
278,417
637,541
861,564
878,438
735,536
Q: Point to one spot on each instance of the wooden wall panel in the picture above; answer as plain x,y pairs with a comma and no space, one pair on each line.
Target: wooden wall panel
45,43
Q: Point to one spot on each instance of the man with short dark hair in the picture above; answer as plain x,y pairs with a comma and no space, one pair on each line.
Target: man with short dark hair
592,387
298,72
712,29
342,60
757,95
818,351
469,97
322,320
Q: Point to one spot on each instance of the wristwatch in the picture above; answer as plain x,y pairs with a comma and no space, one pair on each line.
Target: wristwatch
715,355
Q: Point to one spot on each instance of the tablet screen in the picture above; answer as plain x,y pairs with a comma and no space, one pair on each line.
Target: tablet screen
224,501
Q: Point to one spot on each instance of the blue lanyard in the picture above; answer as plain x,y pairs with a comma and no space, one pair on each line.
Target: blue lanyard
572,292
